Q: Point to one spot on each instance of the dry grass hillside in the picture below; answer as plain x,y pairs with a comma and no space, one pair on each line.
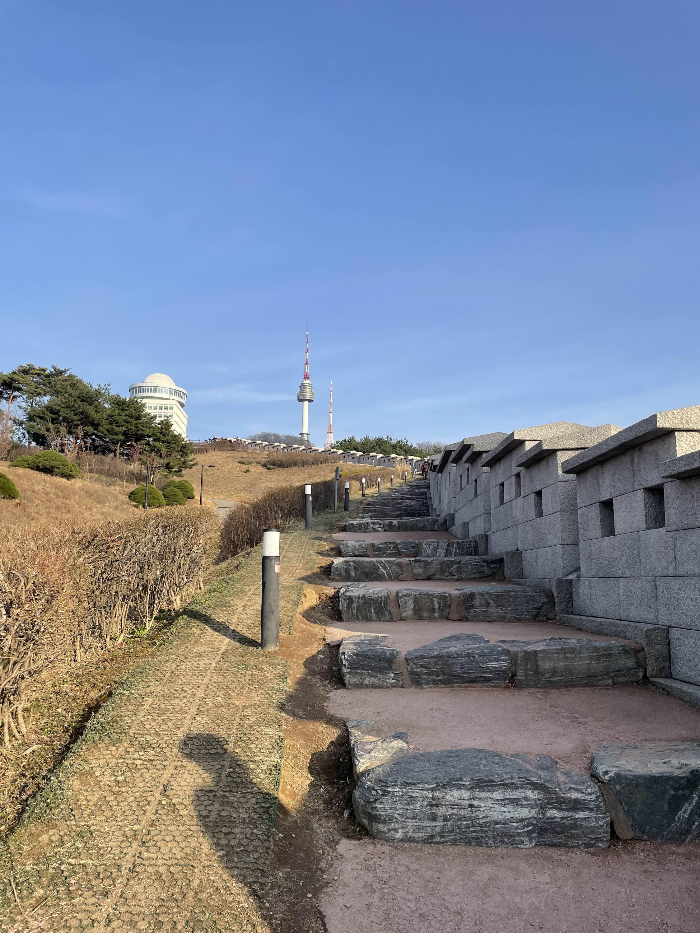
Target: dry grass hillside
49,500
240,476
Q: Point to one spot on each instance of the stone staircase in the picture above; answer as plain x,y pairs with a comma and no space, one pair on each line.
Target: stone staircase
421,611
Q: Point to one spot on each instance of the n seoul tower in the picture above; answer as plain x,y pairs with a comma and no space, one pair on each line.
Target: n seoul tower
329,436
305,395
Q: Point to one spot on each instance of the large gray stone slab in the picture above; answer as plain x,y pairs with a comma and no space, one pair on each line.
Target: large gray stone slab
678,601
653,638
446,548
359,569
353,549
682,467
362,603
369,748
481,798
364,525
504,603
456,660
651,789
396,548
573,662
423,604
367,661
455,568
420,524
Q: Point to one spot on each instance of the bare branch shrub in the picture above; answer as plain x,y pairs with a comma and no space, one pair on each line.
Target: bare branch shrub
65,593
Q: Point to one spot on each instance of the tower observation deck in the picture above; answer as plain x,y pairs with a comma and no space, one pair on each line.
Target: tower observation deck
305,395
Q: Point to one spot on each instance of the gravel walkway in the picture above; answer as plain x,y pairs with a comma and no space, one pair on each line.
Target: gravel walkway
160,817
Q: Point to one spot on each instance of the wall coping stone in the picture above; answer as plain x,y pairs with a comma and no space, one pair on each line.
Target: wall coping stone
536,433
682,467
663,422
470,447
577,440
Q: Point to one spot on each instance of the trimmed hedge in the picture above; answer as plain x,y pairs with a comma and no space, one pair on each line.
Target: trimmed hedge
172,495
51,462
156,499
185,487
23,462
8,490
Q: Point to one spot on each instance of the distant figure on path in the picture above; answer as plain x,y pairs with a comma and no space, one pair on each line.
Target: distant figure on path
424,469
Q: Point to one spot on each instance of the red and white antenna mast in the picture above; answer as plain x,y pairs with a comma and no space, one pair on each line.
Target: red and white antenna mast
329,436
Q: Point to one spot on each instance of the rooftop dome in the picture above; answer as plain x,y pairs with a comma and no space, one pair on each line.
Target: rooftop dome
158,379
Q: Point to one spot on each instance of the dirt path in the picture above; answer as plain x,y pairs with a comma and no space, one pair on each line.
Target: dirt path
161,817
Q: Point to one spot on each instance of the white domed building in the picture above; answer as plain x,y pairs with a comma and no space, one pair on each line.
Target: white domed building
162,399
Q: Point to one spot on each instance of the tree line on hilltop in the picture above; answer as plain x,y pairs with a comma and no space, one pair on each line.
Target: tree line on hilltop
53,409
388,446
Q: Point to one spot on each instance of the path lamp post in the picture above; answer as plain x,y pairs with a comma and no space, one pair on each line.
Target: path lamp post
308,507
346,503
363,487
405,476
335,489
392,479
270,603
379,485
210,466
145,498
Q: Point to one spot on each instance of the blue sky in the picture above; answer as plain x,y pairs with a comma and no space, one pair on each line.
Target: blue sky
486,212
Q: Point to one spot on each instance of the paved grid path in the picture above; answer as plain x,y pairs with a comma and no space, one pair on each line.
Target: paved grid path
160,817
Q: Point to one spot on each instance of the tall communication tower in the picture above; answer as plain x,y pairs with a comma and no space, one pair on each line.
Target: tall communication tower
329,436
305,395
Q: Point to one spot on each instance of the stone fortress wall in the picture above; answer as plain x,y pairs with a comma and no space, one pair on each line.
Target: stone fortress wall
607,518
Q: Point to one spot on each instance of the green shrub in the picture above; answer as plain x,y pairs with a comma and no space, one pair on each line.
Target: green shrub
8,490
183,485
155,497
172,495
49,461
24,461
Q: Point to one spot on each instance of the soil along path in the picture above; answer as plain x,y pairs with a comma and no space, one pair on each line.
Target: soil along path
161,816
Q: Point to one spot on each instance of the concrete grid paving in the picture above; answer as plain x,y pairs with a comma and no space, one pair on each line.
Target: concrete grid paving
160,818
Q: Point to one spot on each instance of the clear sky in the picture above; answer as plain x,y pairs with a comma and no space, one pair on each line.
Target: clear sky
487,212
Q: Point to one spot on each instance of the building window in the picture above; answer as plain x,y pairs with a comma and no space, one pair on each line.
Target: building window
501,493
654,509
537,498
474,484
460,482
518,485
607,518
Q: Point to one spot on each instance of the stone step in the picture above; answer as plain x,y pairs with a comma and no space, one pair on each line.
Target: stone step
467,658
471,796
381,512
485,602
359,569
429,548
396,524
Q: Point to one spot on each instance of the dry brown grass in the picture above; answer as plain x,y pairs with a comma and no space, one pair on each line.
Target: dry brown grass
49,500
246,482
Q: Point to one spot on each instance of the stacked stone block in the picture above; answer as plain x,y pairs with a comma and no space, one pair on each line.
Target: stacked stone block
639,527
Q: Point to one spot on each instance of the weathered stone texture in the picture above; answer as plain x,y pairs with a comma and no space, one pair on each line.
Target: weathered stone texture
572,662
455,568
456,660
369,749
358,569
478,797
651,789
366,661
506,603
423,604
362,603
354,549
653,638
